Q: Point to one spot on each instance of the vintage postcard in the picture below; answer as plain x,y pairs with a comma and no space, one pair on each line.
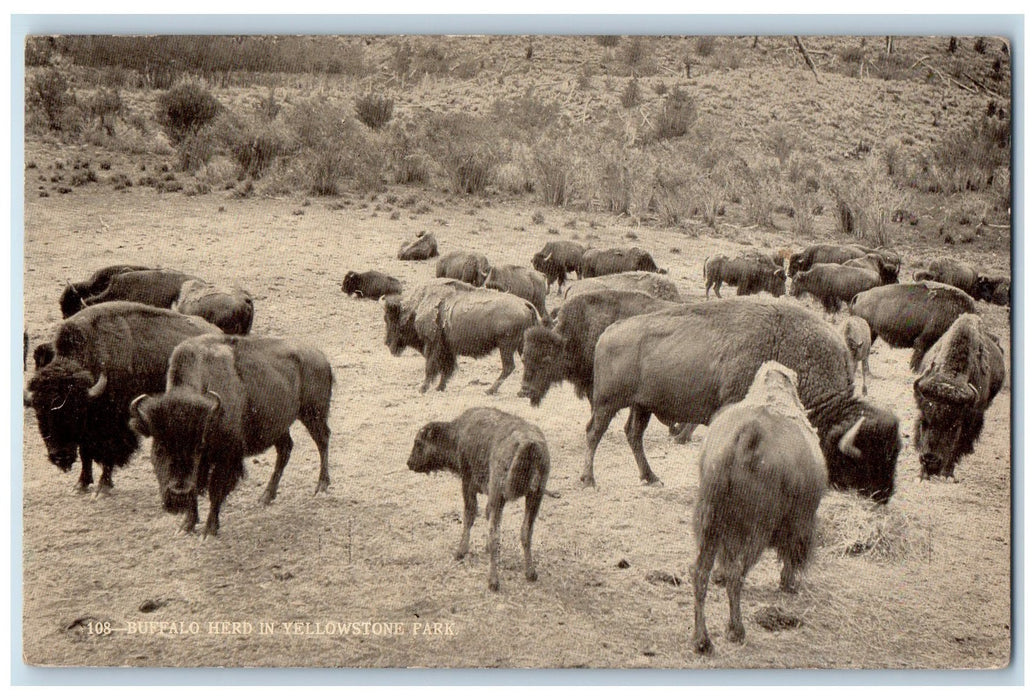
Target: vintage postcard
343,351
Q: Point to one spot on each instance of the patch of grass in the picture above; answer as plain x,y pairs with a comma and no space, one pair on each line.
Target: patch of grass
374,110
849,525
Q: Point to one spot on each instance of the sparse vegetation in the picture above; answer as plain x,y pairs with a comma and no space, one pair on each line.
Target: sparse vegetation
374,110
185,109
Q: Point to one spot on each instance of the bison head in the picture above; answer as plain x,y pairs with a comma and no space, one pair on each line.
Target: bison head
399,330
431,449
775,281
350,285
944,417
179,423
71,301
543,360
61,393
861,449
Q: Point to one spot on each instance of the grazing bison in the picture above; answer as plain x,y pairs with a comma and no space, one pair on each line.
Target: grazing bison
856,333
912,315
838,254
466,267
446,322
959,377
994,290
159,288
566,352
685,364
423,248
521,282
888,272
226,398
104,356
73,295
833,284
231,309
370,284
557,259
494,453
762,478
657,286
750,274
597,262
951,272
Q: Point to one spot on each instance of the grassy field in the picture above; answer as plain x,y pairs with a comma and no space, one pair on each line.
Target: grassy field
922,583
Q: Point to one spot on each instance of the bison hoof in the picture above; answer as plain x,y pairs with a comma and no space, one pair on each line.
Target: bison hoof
81,488
735,633
588,481
423,388
703,646
266,498
551,494
494,586
322,487
491,391
532,576
460,554
651,481
102,491
209,531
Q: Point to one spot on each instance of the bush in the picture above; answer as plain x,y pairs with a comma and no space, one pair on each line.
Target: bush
185,109
781,143
269,108
105,106
195,151
760,196
466,149
553,167
608,41
631,95
968,158
704,46
674,119
374,111
47,94
529,114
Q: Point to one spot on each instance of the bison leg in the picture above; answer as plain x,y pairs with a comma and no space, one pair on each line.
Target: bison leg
321,434
736,570
85,472
495,512
718,286
191,520
507,360
639,417
866,370
105,485
283,445
681,432
532,502
702,570
217,493
595,430
920,347
470,512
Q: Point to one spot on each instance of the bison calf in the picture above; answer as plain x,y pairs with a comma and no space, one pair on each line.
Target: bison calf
494,453
857,337
762,478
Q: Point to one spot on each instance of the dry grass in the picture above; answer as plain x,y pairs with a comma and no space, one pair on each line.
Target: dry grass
851,526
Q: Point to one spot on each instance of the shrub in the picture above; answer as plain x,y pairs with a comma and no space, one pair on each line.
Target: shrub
608,41
195,151
47,95
968,158
529,114
374,111
105,106
704,46
254,145
760,196
674,118
631,95
552,164
781,143
269,108
465,148
866,203
185,109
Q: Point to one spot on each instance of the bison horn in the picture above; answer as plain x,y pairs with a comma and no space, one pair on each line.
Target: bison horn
547,258
99,386
219,401
847,444
134,407
974,389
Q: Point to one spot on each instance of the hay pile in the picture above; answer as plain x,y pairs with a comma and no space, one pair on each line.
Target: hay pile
848,525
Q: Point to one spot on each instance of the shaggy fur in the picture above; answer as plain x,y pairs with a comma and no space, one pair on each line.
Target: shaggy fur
750,273
370,284
159,288
466,267
833,284
597,262
423,248
521,282
657,286
872,261
557,259
838,254
72,297
231,309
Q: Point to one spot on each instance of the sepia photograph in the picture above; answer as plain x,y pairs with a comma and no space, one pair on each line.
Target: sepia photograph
517,351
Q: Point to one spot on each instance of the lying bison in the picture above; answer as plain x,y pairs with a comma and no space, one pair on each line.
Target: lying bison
231,309
466,267
566,352
750,274
762,478
994,290
74,293
159,288
837,254
226,398
370,284
833,284
424,247
959,377
103,357
685,364
495,453
521,282
597,262
911,314
651,283
887,271
557,259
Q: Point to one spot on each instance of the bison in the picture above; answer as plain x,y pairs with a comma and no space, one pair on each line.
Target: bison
73,295
226,398
521,282
103,357
911,314
856,333
750,274
685,364
959,377
424,247
888,272
159,288
966,277
495,453
229,308
650,283
597,262
557,259
446,322
994,290
762,477
833,284
466,267
838,254
566,352
370,284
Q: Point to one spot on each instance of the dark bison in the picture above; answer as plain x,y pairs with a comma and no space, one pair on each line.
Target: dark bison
657,286
911,315
994,290
836,254
159,288
370,284
425,246
959,377
833,284
42,355
494,453
104,356
231,309
226,398
566,352
466,267
887,271
685,364
557,259
856,333
74,293
750,274
597,262
762,478
521,282
471,323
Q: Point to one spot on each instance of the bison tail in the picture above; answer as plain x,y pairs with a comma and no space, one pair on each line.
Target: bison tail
527,473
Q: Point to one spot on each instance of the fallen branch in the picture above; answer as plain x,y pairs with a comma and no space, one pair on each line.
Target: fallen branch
808,59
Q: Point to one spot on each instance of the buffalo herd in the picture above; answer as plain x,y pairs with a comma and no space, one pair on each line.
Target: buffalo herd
166,355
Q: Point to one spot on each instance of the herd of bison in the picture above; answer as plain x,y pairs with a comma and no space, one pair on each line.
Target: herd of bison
162,354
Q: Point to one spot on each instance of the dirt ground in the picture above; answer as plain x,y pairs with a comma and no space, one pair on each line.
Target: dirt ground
376,550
